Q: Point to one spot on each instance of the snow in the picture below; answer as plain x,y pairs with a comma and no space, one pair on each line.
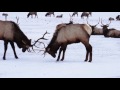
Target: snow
106,51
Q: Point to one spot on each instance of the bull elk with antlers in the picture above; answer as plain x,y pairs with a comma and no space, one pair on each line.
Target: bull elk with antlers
95,29
10,32
69,34
110,32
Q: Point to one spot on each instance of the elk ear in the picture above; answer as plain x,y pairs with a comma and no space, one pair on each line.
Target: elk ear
23,42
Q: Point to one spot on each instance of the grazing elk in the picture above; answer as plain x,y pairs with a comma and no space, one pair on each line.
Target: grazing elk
69,34
59,16
96,30
5,14
32,13
10,32
118,17
75,13
111,19
110,32
49,14
86,14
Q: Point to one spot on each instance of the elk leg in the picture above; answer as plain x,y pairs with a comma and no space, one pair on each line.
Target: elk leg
64,53
86,55
59,54
90,50
13,47
5,49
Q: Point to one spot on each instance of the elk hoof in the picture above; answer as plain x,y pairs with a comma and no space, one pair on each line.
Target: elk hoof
90,61
16,57
62,59
4,58
85,60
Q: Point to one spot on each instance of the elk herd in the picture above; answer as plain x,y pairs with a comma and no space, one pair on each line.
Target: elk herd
64,35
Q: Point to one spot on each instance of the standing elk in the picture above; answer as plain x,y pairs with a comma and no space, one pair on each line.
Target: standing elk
86,14
49,14
69,34
31,14
75,13
118,17
96,30
59,16
10,32
110,32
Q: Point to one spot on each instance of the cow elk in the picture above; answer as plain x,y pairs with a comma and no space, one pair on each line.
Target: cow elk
59,16
111,19
49,14
5,14
75,13
69,34
86,14
31,14
118,17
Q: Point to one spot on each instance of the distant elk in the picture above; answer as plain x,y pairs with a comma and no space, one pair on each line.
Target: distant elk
69,34
110,32
75,13
31,14
95,29
5,14
118,17
86,14
111,19
49,14
59,16
10,32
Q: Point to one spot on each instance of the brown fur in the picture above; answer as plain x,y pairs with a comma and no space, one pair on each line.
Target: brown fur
68,34
110,32
10,32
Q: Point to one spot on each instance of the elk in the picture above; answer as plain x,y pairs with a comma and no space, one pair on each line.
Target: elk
111,19
10,32
49,14
95,30
69,34
5,14
59,16
31,14
86,14
110,32
118,17
75,13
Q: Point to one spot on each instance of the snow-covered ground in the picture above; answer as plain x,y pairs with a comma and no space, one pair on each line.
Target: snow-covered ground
106,51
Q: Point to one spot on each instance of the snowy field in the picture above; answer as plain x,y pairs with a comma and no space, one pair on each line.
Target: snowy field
106,51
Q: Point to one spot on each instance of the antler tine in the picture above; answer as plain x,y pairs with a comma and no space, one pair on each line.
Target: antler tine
43,37
109,23
102,22
98,22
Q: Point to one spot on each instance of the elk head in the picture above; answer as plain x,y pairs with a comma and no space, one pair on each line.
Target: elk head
105,26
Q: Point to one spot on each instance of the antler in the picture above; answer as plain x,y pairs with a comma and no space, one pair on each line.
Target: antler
102,22
98,22
106,24
37,41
